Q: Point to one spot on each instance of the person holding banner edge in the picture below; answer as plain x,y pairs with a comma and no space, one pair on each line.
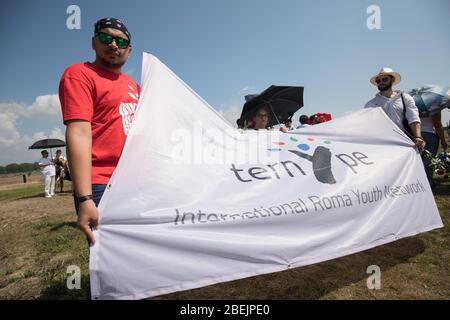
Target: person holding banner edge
98,102
397,105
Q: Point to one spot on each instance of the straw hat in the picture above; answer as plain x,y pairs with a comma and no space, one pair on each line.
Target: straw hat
386,71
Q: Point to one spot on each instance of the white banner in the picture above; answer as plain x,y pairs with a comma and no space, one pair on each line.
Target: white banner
195,202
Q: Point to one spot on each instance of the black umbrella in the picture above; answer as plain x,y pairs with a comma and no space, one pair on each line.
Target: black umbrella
283,102
47,143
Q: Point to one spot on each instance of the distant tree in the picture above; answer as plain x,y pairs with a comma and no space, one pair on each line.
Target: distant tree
26,167
12,168
17,168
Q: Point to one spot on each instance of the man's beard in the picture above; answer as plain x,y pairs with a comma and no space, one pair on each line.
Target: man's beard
107,63
111,64
384,87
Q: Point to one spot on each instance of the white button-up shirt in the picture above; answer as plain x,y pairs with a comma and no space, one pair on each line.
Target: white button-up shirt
393,107
49,169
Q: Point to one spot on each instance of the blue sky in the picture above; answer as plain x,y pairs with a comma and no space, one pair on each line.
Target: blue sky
223,50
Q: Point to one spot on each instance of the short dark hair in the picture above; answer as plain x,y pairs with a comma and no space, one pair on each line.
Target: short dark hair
304,119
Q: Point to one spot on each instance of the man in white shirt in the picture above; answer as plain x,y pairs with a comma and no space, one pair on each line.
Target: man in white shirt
392,103
48,172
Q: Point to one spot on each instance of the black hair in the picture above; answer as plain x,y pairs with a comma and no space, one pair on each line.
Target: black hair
261,107
304,119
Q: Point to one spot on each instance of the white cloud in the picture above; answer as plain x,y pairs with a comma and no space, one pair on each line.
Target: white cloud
244,90
46,106
231,113
8,130
13,144
16,150
55,134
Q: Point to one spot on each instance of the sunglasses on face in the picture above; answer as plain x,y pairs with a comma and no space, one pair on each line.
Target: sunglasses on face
107,38
384,79
263,115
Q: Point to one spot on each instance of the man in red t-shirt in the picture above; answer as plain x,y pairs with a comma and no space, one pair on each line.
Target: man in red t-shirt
98,102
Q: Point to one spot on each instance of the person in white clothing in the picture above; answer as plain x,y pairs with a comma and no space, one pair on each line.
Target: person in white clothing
48,172
393,101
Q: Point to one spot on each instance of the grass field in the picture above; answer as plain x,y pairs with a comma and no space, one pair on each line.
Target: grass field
39,240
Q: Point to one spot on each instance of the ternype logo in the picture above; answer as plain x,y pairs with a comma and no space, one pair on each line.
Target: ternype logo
320,160
321,163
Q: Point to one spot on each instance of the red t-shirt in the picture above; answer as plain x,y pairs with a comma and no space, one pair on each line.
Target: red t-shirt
108,101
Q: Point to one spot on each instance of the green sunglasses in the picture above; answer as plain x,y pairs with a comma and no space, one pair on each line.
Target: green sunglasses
107,38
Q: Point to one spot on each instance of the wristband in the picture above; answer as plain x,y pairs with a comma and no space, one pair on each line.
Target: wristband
84,198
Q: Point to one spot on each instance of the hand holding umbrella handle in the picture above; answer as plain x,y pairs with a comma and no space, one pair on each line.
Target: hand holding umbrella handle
273,112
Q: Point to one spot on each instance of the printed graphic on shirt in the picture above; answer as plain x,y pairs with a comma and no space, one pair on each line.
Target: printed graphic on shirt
127,110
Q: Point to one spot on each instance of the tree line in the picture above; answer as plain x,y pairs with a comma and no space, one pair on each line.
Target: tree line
19,167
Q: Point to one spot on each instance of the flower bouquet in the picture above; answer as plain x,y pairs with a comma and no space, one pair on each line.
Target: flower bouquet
440,163
319,118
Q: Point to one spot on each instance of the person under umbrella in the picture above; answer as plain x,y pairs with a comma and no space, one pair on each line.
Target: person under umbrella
48,144
281,102
48,172
260,118
59,161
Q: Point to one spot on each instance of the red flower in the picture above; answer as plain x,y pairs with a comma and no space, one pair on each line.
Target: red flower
322,117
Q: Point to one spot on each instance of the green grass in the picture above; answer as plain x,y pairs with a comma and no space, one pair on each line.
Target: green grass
28,191
34,257
59,244
56,244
